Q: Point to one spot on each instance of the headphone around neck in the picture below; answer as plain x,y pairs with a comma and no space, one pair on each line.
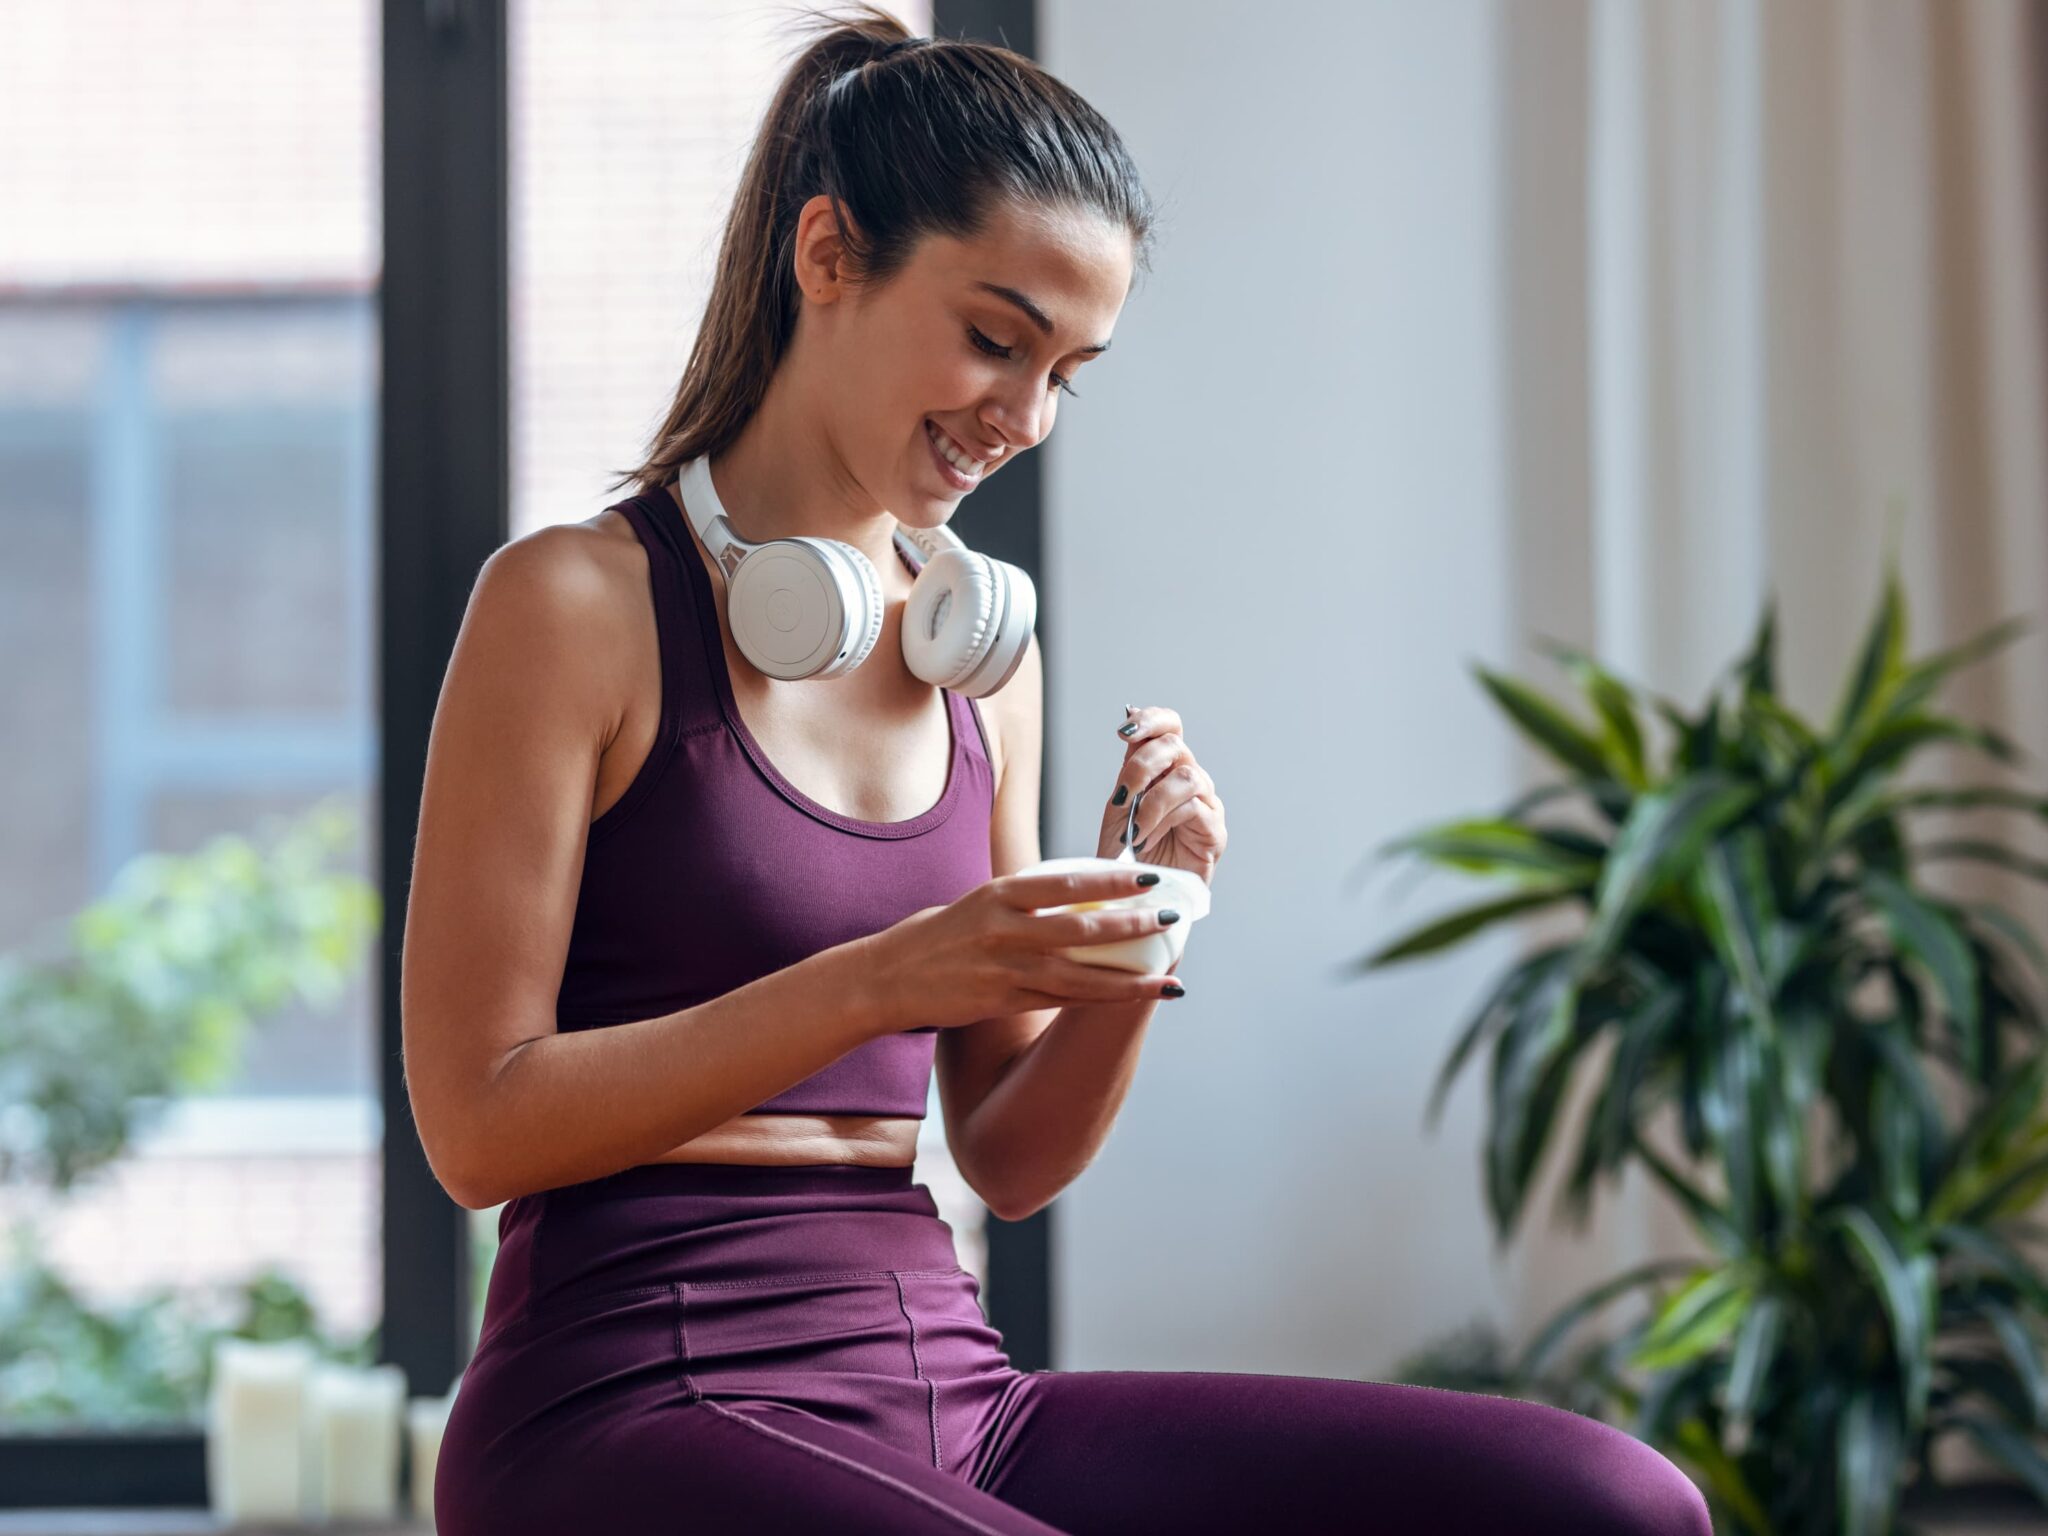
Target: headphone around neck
808,607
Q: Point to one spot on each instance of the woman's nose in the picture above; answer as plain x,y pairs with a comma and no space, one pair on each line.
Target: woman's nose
1017,424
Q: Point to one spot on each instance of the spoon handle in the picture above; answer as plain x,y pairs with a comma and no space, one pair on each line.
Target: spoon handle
1129,855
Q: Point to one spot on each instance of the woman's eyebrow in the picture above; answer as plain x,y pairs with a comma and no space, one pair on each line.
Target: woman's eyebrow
1038,316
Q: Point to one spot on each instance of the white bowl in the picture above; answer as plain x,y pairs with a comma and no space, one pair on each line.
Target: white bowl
1182,889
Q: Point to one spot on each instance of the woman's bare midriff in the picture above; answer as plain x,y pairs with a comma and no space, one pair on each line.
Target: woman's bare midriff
871,1140
883,727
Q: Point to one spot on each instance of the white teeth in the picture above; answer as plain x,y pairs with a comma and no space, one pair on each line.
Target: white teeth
960,461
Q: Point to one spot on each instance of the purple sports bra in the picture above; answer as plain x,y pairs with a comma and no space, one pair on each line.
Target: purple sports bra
712,869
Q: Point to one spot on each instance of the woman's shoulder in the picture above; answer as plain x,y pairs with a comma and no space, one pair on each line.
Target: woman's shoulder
574,566
568,583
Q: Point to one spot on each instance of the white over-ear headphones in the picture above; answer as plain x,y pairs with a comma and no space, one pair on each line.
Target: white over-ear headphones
812,607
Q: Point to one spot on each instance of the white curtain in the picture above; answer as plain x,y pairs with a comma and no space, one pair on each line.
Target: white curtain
1774,286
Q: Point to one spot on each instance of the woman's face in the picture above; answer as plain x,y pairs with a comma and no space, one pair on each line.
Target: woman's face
952,343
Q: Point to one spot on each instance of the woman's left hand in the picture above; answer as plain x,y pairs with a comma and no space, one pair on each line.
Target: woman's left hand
1180,819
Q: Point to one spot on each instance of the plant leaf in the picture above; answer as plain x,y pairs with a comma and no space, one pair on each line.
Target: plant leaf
1999,1257
1923,677
1497,1008
1536,1358
1546,724
1869,1450
1724,1475
1877,662
2011,1447
1664,832
1695,1318
1756,1346
1920,1152
1732,887
2011,930
1545,1025
1504,849
1921,928
1710,1218
1462,924
1977,1155
1878,1252
1757,670
1621,739
1990,853
2025,1353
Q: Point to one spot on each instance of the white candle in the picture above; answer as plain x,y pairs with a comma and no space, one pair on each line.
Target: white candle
353,1435
254,1429
427,1418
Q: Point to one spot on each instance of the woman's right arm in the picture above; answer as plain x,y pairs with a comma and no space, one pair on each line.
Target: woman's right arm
505,1105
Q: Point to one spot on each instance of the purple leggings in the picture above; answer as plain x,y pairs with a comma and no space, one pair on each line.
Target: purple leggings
709,1347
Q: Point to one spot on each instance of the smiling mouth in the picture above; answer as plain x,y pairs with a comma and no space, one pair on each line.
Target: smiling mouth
963,463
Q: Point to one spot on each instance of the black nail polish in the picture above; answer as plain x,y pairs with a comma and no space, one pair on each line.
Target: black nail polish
1173,989
1127,729
1123,793
1148,879
1168,917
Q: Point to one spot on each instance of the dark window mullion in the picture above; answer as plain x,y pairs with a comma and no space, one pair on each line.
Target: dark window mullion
443,492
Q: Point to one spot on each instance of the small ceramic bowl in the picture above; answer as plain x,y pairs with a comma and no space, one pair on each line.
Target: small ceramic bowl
1182,889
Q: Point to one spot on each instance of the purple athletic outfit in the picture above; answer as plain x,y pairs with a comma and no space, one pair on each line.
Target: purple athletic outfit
717,1347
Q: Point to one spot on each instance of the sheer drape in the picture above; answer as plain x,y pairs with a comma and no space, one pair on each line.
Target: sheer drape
1774,284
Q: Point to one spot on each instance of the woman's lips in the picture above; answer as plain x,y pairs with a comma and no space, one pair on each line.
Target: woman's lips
951,475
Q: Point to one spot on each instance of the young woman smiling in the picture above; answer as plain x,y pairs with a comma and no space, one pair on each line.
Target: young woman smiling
687,942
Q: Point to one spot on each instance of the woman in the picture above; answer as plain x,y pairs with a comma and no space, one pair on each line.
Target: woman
681,1014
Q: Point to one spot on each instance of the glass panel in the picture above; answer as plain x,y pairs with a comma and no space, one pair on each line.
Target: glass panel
189,1129
627,142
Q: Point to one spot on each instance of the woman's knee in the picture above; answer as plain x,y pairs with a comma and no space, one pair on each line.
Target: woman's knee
1625,1486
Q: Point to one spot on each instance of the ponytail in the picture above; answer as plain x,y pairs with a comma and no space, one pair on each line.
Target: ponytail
908,136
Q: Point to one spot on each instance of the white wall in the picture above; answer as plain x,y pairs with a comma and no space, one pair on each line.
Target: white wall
1302,559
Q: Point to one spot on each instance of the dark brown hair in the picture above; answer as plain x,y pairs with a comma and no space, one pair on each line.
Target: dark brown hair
908,136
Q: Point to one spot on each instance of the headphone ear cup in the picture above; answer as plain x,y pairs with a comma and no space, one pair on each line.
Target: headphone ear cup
1010,636
804,608
956,605
860,604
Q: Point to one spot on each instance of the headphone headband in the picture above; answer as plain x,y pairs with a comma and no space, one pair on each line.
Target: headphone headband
708,516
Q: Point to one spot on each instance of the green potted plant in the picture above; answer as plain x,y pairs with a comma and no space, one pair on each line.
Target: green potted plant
154,997
1758,942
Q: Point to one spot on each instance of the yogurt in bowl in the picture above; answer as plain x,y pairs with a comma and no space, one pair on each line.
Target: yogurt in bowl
1181,889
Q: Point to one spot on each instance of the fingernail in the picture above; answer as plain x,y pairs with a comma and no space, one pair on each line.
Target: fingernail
1122,794
1173,989
1168,917
1130,709
1127,728
1148,879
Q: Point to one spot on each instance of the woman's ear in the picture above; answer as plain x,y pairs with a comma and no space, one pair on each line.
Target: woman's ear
821,256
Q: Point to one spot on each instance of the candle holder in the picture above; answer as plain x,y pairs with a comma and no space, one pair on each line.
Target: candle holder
353,1435
426,1419
255,1436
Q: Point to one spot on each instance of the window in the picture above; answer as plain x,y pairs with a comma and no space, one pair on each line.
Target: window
191,276
189,1125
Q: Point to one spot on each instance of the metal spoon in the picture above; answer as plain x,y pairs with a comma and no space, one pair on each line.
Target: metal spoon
1129,855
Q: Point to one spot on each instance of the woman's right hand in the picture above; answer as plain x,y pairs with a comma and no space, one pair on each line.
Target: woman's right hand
991,952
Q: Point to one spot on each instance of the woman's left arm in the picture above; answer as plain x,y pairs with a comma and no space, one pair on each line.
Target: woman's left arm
1051,1106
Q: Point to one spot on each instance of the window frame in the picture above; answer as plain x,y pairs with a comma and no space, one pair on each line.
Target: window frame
443,497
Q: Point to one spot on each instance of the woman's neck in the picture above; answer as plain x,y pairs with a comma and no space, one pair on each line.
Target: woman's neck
781,478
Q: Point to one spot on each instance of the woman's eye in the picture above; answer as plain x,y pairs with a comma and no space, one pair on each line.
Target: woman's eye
990,347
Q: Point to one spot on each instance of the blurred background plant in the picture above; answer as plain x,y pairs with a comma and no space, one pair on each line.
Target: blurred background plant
155,997
1759,948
